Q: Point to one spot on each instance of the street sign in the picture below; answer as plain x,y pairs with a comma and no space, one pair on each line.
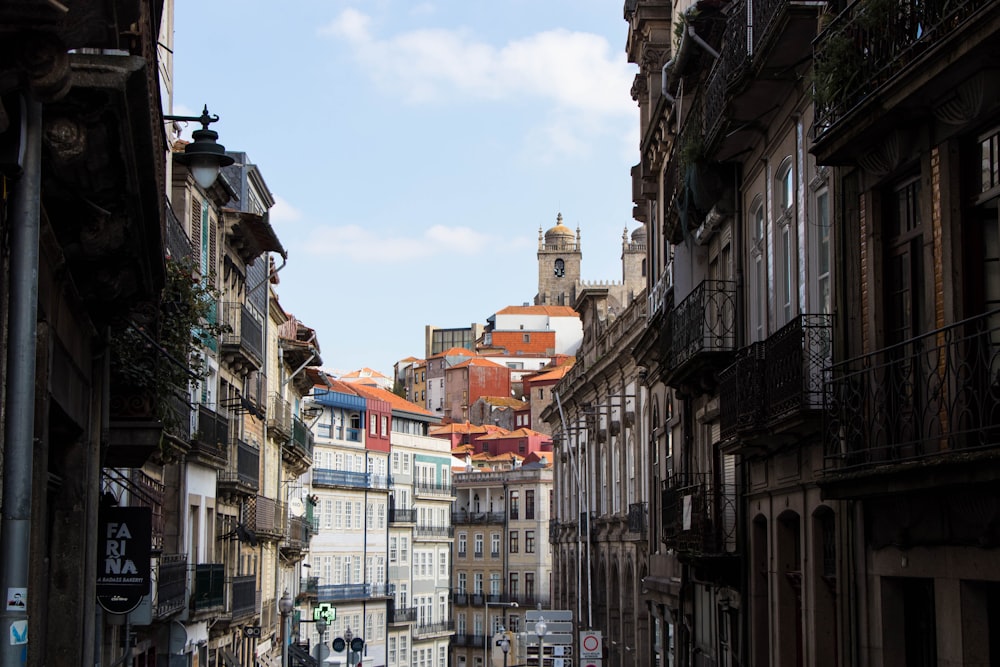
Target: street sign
590,663
326,612
590,645
357,644
551,638
253,631
339,644
555,626
532,615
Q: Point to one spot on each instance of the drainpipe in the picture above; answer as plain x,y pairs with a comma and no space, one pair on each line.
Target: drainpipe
19,405
664,80
702,43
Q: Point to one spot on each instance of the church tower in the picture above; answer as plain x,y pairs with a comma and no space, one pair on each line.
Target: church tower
559,257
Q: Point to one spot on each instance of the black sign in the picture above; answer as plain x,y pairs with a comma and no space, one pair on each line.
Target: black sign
357,644
339,644
124,540
253,631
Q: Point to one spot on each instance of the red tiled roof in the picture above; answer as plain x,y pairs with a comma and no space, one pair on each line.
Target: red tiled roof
453,352
551,311
556,373
396,402
477,362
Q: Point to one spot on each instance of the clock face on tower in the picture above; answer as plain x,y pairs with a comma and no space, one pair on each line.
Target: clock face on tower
560,268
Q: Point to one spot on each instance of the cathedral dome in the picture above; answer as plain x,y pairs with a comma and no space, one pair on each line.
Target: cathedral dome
639,234
559,232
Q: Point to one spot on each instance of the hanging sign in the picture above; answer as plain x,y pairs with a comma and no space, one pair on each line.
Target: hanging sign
124,542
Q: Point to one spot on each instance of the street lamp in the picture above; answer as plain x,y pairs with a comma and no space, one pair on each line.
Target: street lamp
541,629
489,630
204,156
348,636
504,646
285,606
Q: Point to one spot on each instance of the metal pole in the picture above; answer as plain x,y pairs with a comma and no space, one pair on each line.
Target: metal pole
20,394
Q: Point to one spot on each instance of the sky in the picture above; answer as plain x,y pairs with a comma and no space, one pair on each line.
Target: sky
414,150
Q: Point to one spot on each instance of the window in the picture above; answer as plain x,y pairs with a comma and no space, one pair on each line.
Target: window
823,283
758,272
404,546
529,541
529,584
495,583
786,185
395,461
477,583
392,650
374,424
392,550
495,545
479,545
526,338
514,507
512,585
462,544
443,564
462,582
529,504
385,425
513,541
541,393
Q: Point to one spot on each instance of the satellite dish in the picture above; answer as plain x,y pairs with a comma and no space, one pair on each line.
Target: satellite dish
296,507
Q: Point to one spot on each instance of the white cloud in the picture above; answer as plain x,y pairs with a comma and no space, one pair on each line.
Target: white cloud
574,71
283,211
362,244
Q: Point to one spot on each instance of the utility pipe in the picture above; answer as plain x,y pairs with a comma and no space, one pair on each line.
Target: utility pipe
19,430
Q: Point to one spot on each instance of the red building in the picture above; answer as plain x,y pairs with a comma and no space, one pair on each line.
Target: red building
522,442
465,382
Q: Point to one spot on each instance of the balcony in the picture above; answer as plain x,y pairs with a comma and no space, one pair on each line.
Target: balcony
433,532
702,335
699,516
637,519
266,517
335,592
245,480
775,387
350,480
460,598
470,641
659,299
752,73
398,615
297,540
930,403
211,439
244,591
464,518
145,492
209,590
425,489
279,417
398,515
242,345
309,588
177,417
428,630
298,450
171,584
880,62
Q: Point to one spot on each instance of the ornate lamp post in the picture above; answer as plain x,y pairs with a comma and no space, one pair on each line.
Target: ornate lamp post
541,629
204,156
285,606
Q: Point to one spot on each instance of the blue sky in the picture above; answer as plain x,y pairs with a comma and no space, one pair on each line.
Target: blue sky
415,148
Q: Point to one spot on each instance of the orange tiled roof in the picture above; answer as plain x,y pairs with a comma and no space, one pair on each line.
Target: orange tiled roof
504,401
453,352
475,361
519,433
551,311
395,402
556,373
458,427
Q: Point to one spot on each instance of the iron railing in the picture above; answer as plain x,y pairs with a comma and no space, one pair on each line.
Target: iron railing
212,435
332,592
476,518
302,439
776,378
244,589
401,614
299,532
927,398
871,43
704,322
434,531
246,477
699,515
243,329
279,415
149,493
402,515
309,586
637,518
471,641
171,584
426,629
434,488
209,590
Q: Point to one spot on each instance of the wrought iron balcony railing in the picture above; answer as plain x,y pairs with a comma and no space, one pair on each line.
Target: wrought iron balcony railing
434,531
244,591
433,488
211,439
402,515
776,379
246,477
309,586
279,416
699,515
147,492
244,334
401,614
333,592
872,43
929,398
171,584
703,326
467,640
302,439
428,629
476,518
209,589
637,518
